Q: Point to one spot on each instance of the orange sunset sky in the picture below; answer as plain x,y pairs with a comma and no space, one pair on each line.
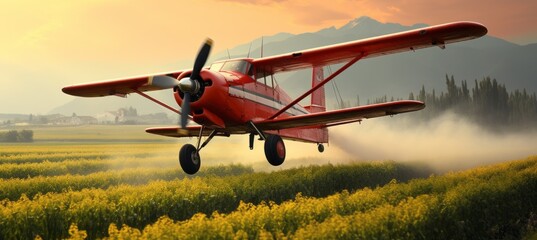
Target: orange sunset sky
48,44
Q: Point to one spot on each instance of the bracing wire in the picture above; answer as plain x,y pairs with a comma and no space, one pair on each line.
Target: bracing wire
337,93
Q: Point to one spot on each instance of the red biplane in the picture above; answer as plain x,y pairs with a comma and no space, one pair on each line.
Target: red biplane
240,96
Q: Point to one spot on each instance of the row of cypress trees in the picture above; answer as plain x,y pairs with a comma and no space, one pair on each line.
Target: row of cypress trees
488,103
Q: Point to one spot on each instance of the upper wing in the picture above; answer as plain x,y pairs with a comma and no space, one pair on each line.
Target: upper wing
342,115
119,87
438,35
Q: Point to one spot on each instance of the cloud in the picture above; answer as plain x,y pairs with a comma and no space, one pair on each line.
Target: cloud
36,38
313,14
304,12
255,2
505,20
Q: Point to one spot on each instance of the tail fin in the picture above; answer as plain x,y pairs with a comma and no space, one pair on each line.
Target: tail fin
318,100
318,104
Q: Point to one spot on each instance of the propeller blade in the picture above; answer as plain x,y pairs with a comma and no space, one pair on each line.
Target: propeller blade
163,81
185,110
192,84
203,54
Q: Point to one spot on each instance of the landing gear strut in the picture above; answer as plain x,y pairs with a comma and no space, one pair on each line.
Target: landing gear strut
189,157
274,147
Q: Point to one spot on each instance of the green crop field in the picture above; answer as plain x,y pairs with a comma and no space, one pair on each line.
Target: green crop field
120,183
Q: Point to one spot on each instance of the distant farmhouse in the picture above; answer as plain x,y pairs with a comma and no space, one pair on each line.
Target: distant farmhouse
121,116
130,116
73,120
110,117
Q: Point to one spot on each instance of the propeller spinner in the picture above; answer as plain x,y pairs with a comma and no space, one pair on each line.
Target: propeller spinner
188,85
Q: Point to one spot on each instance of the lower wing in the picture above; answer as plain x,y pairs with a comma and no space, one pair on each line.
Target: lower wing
335,117
321,119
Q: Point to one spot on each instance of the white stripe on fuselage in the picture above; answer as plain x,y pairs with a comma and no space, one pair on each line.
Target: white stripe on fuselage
266,101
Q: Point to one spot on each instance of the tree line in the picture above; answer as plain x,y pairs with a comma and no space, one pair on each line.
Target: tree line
488,103
17,136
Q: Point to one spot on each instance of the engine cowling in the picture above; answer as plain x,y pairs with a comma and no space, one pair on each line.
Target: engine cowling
205,102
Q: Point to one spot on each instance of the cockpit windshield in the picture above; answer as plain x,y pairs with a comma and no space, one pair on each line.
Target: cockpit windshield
239,66
216,66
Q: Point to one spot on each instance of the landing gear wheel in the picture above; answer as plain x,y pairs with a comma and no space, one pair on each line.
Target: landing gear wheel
274,150
189,159
320,147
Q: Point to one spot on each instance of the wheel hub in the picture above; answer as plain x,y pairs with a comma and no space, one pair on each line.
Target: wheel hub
195,156
280,149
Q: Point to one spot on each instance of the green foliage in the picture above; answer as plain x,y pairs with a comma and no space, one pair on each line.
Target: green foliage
487,103
17,136
26,136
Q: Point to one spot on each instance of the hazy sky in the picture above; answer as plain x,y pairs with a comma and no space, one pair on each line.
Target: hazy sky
48,44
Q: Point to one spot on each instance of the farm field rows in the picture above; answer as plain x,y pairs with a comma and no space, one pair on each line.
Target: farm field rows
126,190
495,202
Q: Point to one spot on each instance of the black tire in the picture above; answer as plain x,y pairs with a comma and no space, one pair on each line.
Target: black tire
189,159
320,148
274,150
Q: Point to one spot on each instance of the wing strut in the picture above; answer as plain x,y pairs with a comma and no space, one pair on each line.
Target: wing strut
332,76
156,101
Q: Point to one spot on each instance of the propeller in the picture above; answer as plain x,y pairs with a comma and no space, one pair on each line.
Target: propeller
191,85
163,82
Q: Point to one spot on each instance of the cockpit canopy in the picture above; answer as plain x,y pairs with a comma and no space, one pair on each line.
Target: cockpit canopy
237,66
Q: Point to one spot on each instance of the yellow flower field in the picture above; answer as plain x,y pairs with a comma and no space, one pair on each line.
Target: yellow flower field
96,186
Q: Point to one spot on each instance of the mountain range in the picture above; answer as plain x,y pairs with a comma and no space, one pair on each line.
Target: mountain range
394,75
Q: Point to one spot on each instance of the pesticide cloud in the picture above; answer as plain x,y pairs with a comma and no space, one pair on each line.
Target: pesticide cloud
446,143
234,150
